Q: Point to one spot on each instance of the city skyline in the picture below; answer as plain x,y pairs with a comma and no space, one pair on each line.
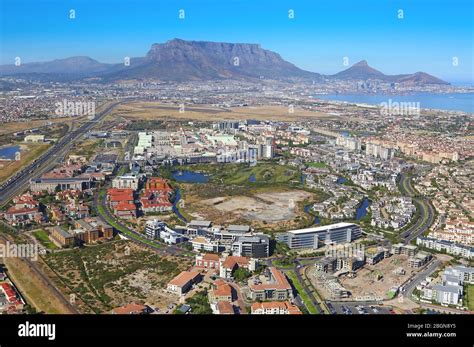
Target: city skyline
317,38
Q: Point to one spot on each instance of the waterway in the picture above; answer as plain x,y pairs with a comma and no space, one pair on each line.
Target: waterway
186,176
8,153
362,209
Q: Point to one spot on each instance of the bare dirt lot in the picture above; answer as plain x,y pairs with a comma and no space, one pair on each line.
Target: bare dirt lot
365,283
270,207
153,110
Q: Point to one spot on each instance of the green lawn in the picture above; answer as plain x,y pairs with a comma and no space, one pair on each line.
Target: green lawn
298,286
266,173
470,296
317,165
42,237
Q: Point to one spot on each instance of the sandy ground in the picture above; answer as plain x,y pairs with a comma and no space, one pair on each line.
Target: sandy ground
153,110
365,283
269,206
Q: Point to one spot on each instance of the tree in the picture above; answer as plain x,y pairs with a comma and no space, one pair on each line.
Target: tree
241,274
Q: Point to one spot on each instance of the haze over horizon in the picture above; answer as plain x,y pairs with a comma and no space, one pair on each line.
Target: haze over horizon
317,39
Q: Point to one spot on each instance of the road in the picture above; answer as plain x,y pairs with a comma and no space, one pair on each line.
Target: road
426,272
424,208
296,269
105,214
19,183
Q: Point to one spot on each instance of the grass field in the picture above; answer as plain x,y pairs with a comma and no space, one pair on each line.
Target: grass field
304,297
317,165
470,297
30,153
36,293
42,237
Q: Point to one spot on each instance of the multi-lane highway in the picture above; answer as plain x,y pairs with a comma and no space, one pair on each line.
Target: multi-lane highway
18,183
426,214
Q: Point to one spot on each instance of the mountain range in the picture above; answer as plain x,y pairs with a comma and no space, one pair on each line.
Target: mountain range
180,60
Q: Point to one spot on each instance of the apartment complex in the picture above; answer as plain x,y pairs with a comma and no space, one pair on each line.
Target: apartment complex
274,307
275,286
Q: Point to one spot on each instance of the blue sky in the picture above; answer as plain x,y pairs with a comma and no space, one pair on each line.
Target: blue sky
322,33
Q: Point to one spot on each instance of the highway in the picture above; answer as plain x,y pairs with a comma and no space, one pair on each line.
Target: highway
424,208
19,183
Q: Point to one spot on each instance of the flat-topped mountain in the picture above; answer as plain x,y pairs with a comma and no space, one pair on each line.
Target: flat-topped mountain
181,60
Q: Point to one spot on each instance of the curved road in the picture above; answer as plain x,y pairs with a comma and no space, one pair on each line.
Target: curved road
134,235
423,206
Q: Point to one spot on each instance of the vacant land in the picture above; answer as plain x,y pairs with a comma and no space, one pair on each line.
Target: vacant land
153,110
36,292
116,273
268,196
29,152
261,207
376,280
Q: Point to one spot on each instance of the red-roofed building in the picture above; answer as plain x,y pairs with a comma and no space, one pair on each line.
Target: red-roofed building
222,291
155,197
184,281
125,210
225,307
232,263
276,287
208,261
275,307
132,308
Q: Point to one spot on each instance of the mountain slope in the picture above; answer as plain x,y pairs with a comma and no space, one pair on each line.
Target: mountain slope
180,60
361,71
74,66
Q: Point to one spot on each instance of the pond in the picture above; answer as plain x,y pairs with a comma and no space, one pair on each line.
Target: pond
8,153
186,176
341,180
252,178
362,209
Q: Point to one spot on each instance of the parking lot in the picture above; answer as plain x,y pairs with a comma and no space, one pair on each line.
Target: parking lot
357,308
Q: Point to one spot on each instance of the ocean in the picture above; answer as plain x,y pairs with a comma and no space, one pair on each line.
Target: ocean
452,101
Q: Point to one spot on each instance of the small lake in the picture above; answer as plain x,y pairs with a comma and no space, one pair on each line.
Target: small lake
341,180
186,176
9,152
252,178
362,209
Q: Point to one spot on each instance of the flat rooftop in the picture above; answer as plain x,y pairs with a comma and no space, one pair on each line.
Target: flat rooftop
321,228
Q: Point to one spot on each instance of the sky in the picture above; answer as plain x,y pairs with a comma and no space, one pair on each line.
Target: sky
432,36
